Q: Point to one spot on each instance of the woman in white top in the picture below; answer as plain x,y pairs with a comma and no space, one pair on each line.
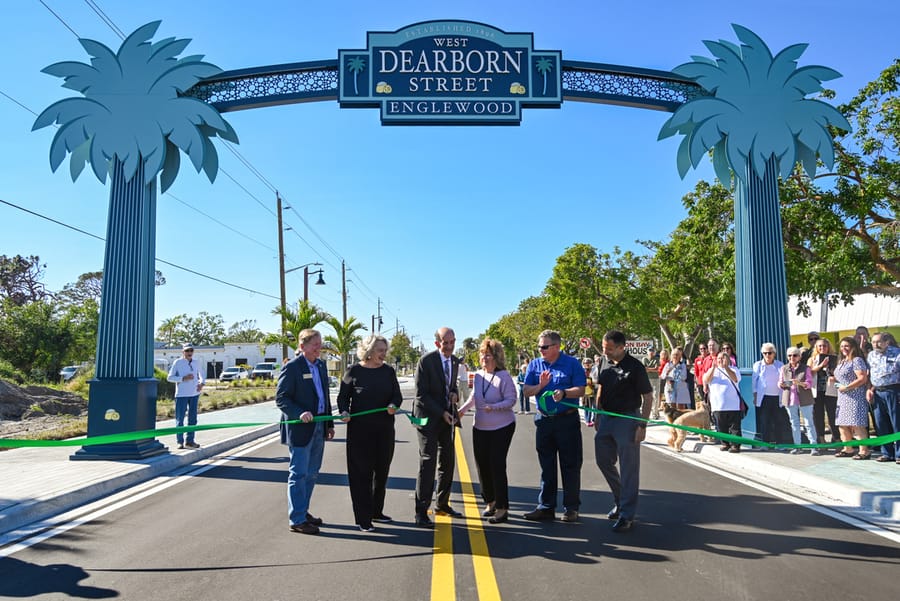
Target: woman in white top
674,374
724,400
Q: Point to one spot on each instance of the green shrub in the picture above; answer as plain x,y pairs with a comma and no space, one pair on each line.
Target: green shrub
8,372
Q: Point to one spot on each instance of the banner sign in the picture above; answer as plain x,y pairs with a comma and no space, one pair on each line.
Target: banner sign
450,73
638,348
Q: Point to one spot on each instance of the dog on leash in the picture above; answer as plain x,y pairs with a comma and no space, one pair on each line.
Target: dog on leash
696,418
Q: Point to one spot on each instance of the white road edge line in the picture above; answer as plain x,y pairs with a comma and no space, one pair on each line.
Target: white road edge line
812,505
92,511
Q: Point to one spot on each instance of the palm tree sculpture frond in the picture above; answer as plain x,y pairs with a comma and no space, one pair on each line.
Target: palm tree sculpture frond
759,124
757,110
131,110
131,124
356,65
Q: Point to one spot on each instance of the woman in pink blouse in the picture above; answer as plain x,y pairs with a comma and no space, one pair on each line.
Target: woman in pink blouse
494,397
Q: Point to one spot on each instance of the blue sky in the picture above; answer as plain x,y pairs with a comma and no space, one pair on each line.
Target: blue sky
447,226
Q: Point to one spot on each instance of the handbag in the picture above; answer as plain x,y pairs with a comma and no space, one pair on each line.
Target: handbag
744,407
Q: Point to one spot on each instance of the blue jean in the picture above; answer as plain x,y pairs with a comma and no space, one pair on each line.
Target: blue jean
303,472
887,419
794,412
186,404
559,437
614,442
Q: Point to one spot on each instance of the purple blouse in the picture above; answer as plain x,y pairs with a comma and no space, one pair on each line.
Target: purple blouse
496,391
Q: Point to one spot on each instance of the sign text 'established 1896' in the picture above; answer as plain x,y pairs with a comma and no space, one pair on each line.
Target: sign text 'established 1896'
450,73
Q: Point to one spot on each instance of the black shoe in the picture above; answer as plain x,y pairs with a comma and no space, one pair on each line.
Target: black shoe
305,528
500,516
192,445
540,515
366,528
423,521
623,525
447,510
613,513
314,520
382,519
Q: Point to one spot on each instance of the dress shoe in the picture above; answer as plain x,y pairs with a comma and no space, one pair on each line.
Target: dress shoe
734,449
613,513
366,528
423,521
623,525
192,445
491,510
314,520
381,518
500,516
570,516
305,528
447,510
540,515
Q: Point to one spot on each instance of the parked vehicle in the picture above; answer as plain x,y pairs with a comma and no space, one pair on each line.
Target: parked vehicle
68,372
264,371
234,373
332,381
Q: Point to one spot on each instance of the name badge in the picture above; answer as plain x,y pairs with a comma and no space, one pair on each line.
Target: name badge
307,376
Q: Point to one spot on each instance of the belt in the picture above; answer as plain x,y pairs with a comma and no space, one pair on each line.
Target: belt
888,387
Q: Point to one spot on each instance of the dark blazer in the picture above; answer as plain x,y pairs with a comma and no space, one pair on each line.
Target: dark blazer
295,394
431,391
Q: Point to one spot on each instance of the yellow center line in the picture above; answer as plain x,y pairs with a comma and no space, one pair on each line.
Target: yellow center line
485,579
443,580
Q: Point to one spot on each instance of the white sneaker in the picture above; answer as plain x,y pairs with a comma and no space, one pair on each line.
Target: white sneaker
795,451
815,452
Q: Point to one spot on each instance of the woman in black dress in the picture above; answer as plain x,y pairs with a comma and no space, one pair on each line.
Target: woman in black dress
370,384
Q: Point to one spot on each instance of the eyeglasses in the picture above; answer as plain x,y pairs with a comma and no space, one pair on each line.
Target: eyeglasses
878,341
768,352
789,356
726,347
544,347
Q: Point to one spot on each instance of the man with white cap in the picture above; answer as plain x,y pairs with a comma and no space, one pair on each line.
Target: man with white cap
188,380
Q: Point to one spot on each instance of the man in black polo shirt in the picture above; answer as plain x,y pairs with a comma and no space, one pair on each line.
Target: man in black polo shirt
624,388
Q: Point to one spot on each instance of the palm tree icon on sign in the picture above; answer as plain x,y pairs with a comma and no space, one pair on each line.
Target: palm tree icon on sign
356,65
544,66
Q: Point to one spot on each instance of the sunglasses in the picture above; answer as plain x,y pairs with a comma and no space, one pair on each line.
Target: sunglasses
544,347
768,352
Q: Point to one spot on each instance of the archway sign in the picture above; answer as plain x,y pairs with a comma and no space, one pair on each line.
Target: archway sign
143,105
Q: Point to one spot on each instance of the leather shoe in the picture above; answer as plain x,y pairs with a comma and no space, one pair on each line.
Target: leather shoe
423,521
447,510
305,528
500,516
570,516
540,515
310,518
613,513
623,525
382,519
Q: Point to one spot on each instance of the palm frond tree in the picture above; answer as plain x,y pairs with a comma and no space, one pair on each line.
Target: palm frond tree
306,316
356,65
544,66
345,337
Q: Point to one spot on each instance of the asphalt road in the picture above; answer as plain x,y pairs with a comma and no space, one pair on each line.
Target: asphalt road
223,534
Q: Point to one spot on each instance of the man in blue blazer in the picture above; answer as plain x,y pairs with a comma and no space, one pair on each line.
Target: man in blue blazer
437,393
302,394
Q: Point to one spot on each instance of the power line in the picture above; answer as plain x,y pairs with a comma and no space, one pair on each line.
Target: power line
96,8
225,225
61,20
158,260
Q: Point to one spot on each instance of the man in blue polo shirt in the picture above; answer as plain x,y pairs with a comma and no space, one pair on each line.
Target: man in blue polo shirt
558,431
625,389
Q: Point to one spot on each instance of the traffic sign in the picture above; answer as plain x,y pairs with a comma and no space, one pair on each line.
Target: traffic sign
585,343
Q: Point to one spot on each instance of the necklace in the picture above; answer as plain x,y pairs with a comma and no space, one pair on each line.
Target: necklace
486,385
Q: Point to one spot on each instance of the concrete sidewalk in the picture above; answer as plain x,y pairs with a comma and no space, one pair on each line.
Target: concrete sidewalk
866,490
38,483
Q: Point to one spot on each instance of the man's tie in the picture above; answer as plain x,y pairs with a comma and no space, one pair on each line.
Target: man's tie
447,378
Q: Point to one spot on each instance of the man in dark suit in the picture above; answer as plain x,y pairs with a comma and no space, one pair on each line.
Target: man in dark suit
302,394
437,393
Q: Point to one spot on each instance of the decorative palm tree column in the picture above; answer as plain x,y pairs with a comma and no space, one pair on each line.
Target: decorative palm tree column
123,393
761,299
131,123
759,124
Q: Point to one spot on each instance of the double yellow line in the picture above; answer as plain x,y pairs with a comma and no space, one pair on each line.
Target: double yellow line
443,579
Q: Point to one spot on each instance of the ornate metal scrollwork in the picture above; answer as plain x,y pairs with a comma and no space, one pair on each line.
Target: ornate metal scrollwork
594,82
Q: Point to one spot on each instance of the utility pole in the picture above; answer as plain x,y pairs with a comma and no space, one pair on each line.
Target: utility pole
344,289
284,348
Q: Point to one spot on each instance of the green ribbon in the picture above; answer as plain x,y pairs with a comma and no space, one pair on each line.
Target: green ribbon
13,443
731,438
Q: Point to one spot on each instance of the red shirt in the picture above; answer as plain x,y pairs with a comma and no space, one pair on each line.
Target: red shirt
698,368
